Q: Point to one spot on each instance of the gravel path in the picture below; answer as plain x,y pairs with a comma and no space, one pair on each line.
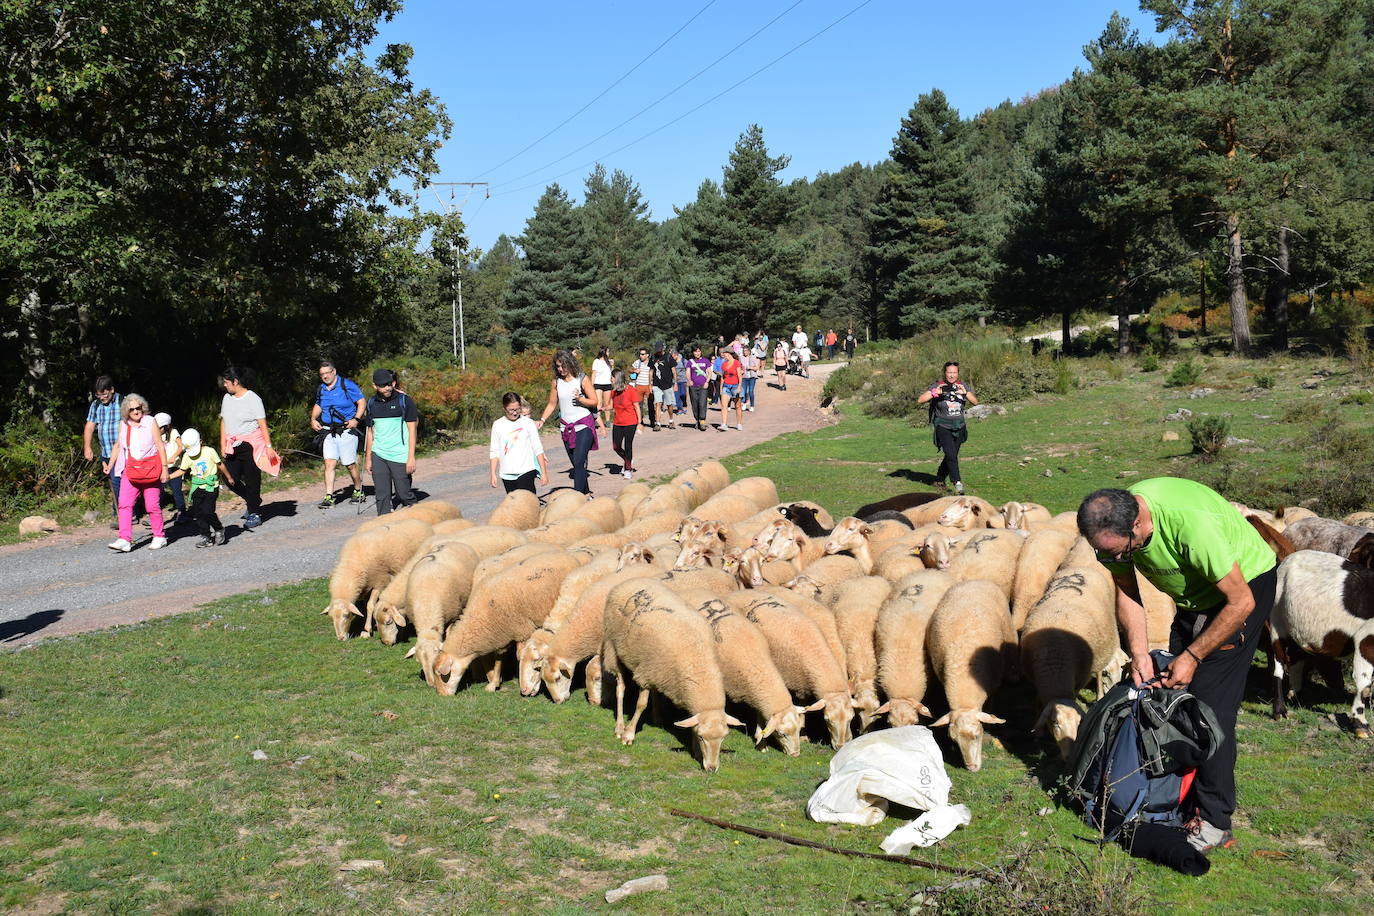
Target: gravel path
70,583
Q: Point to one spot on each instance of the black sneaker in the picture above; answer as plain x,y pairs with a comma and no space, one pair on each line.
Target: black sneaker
206,541
220,538
251,521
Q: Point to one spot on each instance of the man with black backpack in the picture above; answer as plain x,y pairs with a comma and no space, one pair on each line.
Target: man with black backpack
1195,547
337,412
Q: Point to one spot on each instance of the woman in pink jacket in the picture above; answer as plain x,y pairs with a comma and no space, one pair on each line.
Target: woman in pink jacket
140,461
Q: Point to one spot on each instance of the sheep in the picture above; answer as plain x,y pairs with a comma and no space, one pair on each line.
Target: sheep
661,500
899,503
435,597
697,488
726,507
900,561
991,555
1044,550
1064,521
430,511
899,633
572,631
855,604
1070,635
828,573
489,540
801,510
971,512
519,510
929,513
969,638
714,473
1353,542
1360,519
806,663
789,543
1023,515
803,595
502,609
749,568
761,491
630,496
389,609
367,562
561,504
614,541
1323,606
865,539
604,512
565,530
490,566
453,525
652,636
1290,514
749,675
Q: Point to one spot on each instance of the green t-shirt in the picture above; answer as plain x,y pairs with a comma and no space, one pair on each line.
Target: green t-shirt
1197,538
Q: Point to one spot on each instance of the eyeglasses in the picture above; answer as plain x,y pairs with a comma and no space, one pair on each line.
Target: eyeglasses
1124,556
132,409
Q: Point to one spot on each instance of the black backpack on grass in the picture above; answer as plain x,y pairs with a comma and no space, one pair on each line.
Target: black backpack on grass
1137,751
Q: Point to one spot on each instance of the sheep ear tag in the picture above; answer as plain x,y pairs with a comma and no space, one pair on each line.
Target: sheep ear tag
689,722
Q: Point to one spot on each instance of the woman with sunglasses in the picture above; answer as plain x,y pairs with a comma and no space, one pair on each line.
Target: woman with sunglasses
140,461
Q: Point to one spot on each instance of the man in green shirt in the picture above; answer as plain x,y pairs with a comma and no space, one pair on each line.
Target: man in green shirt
1195,547
392,421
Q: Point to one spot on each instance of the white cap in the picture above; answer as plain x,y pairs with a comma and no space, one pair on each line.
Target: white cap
190,440
163,419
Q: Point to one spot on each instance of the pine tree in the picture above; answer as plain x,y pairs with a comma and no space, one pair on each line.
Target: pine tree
554,297
931,259
622,245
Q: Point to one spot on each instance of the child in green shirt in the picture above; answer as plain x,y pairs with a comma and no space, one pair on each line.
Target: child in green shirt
204,466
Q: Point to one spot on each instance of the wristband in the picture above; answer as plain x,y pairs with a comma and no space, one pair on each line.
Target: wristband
1193,654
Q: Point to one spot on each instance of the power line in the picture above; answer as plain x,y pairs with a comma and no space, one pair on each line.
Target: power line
661,98
694,110
622,78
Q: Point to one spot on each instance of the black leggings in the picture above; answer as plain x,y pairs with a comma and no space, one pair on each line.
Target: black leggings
247,477
948,441
1220,683
524,482
623,441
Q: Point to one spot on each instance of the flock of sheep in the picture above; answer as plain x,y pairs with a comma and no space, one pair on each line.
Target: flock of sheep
709,591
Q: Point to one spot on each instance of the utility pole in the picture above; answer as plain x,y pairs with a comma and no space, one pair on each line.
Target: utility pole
460,344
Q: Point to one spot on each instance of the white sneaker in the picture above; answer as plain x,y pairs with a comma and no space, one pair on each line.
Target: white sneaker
959,487
628,475
121,545
157,544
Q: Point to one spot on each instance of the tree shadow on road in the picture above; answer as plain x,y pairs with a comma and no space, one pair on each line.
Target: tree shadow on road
15,630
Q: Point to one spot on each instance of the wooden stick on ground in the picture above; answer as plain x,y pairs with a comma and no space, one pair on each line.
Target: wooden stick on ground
811,844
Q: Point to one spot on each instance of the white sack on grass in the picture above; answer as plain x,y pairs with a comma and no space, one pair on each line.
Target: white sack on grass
929,829
901,765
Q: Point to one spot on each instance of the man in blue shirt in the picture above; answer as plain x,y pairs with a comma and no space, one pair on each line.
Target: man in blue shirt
103,417
339,407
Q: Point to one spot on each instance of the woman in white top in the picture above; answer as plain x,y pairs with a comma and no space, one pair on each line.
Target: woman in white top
140,463
517,455
601,381
572,395
171,444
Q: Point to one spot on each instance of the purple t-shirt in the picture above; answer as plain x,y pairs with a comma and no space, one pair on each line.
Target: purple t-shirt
698,370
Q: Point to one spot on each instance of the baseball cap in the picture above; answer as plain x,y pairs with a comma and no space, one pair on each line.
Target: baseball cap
190,441
163,419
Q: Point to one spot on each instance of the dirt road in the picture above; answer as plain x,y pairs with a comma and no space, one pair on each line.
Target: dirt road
70,582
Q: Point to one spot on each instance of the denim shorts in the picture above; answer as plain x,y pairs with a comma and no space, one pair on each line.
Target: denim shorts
730,391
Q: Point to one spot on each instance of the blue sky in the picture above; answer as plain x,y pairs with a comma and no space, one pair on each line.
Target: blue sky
510,72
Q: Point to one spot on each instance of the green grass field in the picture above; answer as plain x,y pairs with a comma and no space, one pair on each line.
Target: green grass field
129,783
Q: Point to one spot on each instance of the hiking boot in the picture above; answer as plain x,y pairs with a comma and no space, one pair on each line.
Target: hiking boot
1204,837
219,538
251,521
206,541
357,496
959,487
120,545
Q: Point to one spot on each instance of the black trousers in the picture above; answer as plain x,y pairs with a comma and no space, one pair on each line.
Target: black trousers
1220,683
948,441
247,476
577,457
623,441
386,476
698,398
203,511
524,482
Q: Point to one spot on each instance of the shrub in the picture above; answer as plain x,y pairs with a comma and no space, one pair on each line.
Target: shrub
1208,435
1184,374
1360,398
1264,381
40,463
1357,349
1064,379
1149,363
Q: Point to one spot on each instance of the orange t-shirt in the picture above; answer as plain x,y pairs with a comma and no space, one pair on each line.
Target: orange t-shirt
625,404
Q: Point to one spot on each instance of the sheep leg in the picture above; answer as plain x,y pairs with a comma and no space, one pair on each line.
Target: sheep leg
628,736
494,673
593,678
371,613
619,705
1364,675
1278,663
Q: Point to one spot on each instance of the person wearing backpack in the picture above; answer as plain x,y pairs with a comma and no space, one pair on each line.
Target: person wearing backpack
947,399
337,412
1195,547
392,423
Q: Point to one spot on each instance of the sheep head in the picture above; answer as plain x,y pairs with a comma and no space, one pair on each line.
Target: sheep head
634,552
1013,513
786,544
710,727
966,728
557,674
342,612
935,550
902,711
764,539
1060,721
448,672
390,619
805,586
529,657
786,726
866,703
839,711
850,532
426,651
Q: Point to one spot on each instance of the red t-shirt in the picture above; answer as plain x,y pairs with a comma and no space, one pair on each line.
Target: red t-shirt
729,372
624,402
